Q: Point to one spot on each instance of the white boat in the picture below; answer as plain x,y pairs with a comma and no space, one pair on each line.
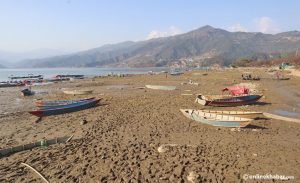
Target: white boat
243,114
78,92
216,119
160,87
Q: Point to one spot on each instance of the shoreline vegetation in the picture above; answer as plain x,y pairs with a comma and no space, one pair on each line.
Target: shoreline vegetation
138,134
291,60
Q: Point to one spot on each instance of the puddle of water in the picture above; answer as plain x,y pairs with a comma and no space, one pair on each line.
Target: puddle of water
283,112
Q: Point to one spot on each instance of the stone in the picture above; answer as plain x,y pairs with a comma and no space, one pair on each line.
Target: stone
83,122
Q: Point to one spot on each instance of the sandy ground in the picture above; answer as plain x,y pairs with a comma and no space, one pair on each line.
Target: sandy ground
293,72
120,141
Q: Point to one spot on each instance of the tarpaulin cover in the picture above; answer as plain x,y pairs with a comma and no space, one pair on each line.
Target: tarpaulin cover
237,90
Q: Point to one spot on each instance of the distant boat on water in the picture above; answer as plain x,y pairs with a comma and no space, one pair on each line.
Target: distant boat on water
176,72
75,76
30,76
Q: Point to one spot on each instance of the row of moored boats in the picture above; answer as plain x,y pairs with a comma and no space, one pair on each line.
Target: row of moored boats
221,118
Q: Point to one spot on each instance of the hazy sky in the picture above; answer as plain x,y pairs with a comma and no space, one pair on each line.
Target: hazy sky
82,24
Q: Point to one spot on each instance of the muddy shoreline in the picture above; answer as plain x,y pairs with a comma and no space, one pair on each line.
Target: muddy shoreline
120,141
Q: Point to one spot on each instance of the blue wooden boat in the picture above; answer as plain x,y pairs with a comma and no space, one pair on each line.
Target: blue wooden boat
216,119
65,108
59,102
10,84
61,105
223,100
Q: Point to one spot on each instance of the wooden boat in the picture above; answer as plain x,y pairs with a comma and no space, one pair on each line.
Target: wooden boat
159,87
176,72
56,79
8,84
59,102
30,76
243,114
65,108
77,92
283,78
77,76
227,100
63,105
216,119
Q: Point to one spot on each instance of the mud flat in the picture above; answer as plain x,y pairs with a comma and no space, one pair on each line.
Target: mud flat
127,137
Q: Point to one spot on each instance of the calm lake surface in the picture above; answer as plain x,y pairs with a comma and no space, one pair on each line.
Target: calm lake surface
50,72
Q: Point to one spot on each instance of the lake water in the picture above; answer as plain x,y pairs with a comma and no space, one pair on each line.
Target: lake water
49,72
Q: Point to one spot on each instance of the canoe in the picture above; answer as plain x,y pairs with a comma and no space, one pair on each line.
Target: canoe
225,100
70,76
284,78
64,105
216,119
77,92
30,76
65,108
159,87
2,85
243,114
59,102
56,79
176,73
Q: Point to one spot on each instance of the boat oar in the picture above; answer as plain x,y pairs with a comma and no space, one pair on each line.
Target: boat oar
36,172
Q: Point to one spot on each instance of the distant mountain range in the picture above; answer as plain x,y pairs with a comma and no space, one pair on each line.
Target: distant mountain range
203,46
1,66
11,59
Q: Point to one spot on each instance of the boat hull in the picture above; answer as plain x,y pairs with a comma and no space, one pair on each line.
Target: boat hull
216,120
243,114
227,102
65,108
59,102
158,87
78,92
11,85
64,105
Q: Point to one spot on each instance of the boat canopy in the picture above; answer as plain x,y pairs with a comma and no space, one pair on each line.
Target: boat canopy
237,90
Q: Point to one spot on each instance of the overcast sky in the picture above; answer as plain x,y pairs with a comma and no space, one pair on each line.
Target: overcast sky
72,25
